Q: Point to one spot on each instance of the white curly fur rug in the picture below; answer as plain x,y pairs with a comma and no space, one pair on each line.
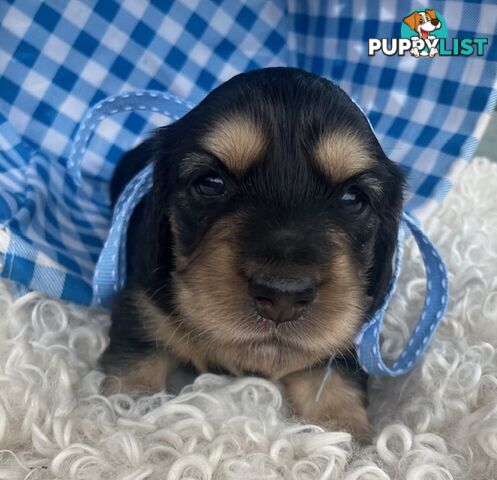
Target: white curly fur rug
439,422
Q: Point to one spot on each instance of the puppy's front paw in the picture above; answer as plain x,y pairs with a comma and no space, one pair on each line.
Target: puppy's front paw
340,406
111,385
357,425
130,384
147,375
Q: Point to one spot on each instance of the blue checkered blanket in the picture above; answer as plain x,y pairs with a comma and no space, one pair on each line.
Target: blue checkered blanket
59,58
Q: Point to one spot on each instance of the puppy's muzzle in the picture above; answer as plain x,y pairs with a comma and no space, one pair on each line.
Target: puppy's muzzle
282,299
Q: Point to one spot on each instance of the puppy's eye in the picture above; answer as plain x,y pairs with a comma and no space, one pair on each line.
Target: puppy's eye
353,200
210,186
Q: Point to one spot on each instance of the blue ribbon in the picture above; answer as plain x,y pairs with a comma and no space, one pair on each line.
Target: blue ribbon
368,339
110,272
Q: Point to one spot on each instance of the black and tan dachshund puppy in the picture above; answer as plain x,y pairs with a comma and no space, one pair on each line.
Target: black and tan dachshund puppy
266,241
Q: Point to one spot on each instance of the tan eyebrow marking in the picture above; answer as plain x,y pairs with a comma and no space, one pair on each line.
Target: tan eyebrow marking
342,154
190,164
237,141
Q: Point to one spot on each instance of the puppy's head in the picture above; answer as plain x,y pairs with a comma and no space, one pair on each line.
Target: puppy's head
282,211
423,22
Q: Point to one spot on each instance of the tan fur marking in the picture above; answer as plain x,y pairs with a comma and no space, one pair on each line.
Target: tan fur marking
339,407
171,335
236,141
147,375
341,155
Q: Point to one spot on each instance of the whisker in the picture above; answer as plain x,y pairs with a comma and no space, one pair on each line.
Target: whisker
158,290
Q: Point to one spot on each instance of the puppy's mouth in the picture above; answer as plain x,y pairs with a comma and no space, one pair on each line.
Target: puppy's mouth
268,329
426,29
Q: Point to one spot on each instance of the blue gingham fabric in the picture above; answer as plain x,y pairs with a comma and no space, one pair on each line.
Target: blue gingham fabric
59,58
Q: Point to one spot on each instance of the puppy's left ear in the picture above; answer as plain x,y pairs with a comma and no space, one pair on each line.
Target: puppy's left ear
385,244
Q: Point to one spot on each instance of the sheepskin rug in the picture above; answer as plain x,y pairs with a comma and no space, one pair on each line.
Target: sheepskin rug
437,423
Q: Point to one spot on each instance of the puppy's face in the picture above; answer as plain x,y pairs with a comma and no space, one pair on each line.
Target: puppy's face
423,22
283,212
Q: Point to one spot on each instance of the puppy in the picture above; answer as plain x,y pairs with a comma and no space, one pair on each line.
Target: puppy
265,243
423,23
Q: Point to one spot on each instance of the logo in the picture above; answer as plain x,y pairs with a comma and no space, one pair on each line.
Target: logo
424,33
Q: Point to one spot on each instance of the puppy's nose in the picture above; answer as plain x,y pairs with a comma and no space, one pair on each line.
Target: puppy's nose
282,299
435,22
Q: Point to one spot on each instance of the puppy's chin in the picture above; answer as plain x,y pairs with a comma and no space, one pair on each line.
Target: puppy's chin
243,342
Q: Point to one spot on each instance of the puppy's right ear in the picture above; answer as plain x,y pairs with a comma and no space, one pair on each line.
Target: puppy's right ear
132,162
412,21
149,239
166,163
165,159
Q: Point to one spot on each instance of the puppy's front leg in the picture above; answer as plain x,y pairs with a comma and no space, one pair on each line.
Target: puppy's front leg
340,407
132,362
140,375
